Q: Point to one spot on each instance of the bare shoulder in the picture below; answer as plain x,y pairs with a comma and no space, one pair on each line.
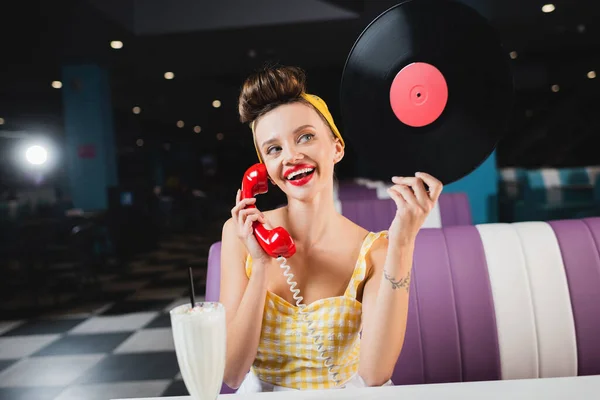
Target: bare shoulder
231,246
355,235
378,252
377,255
228,232
352,231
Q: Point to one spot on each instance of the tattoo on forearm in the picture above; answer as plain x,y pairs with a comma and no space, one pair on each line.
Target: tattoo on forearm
400,283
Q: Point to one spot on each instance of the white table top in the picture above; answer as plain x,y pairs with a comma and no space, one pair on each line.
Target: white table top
579,388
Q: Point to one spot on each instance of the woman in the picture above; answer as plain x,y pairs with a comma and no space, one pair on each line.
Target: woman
349,328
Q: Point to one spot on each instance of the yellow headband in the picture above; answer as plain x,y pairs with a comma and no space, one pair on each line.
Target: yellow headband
321,107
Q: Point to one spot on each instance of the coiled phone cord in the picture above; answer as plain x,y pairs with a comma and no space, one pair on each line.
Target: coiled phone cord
328,361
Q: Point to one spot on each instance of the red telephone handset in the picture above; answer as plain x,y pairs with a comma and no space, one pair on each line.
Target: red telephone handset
277,241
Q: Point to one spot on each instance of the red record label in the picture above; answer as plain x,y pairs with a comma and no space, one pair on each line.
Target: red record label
418,94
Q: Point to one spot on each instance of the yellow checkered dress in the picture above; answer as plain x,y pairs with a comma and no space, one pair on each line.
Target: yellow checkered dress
287,355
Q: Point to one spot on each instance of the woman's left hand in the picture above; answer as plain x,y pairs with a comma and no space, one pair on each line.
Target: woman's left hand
413,203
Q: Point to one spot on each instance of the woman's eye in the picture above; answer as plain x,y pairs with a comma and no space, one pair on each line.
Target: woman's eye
306,137
273,148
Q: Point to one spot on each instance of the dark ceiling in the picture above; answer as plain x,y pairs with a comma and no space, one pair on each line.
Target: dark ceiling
212,45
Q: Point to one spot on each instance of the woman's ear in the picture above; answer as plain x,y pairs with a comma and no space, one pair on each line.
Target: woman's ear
338,151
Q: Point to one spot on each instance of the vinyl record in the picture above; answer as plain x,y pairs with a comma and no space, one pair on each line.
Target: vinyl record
427,87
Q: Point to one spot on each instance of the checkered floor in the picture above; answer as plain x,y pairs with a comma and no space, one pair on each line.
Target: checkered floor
118,348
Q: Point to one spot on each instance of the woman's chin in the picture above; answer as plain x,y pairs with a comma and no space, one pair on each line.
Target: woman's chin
304,192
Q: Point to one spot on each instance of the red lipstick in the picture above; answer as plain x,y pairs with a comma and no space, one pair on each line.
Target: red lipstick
299,175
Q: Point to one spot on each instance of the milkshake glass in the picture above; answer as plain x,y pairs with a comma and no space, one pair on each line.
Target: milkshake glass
200,338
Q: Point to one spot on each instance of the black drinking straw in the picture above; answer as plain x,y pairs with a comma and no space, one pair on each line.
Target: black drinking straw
192,295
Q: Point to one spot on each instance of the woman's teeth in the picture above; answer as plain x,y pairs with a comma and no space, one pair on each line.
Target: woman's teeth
300,173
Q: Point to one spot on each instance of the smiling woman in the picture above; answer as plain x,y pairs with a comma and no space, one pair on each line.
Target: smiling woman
343,274
295,138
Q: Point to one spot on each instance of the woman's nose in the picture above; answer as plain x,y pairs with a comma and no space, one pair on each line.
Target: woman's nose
292,156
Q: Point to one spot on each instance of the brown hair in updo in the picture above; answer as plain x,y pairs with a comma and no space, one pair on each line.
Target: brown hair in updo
268,88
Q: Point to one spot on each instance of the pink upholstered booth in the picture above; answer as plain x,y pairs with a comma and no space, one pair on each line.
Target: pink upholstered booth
497,301
376,214
370,206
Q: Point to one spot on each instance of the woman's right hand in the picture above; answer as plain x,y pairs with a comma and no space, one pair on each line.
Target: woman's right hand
244,218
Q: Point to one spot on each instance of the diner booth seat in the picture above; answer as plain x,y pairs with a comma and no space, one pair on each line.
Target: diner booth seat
369,205
497,301
376,214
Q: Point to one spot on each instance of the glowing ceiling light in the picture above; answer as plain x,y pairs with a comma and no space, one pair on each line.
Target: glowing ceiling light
116,44
513,55
591,74
36,155
169,75
180,124
555,88
137,110
56,84
216,103
197,129
548,8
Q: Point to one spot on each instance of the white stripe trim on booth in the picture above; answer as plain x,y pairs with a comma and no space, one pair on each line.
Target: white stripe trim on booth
557,344
515,321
